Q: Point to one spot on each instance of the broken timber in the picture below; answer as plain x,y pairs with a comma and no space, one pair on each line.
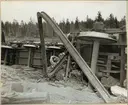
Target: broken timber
43,51
76,56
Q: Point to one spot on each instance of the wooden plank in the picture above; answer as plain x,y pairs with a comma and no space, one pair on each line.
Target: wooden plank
76,56
112,54
112,71
23,57
43,51
68,66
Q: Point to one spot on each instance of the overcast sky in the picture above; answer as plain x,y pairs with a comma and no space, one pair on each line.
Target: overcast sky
23,10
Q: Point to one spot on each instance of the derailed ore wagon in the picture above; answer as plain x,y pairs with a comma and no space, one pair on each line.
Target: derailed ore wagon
96,54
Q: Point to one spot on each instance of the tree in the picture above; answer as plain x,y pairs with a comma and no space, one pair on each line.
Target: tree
62,26
77,24
67,26
7,28
89,23
116,23
15,27
82,25
24,28
99,17
122,22
31,29
111,22
72,26
2,25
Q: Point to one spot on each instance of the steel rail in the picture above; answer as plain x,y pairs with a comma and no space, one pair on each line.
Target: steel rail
77,57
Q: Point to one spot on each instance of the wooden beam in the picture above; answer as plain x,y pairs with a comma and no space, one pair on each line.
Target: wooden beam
43,51
95,54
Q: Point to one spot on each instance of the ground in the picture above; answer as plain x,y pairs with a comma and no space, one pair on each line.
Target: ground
21,81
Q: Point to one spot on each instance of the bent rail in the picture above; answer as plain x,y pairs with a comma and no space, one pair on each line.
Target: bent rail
77,57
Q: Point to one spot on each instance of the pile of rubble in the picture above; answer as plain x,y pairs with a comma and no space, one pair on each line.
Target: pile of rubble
22,84
20,73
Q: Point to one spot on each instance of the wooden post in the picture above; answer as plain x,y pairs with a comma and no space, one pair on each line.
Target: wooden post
68,66
32,56
29,57
68,61
43,51
94,59
122,65
17,56
95,56
109,65
5,57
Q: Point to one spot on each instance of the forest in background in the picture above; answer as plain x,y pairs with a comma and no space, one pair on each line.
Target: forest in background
30,29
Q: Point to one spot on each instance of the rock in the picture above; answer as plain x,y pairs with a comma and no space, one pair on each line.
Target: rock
18,87
125,83
118,91
60,74
109,81
27,98
75,74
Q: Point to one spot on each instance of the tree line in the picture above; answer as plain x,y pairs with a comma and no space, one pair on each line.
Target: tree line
23,29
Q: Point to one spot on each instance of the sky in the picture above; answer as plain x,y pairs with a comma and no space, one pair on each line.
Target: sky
61,10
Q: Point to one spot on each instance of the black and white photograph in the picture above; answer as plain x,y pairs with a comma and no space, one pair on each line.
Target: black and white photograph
63,52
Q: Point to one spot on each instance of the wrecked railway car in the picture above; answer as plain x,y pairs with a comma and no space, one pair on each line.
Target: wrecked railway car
98,57
111,56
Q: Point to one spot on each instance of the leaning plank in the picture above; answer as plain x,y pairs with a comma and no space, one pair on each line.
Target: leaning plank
76,56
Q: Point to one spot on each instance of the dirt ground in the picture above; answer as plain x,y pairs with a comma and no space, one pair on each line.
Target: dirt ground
21,80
